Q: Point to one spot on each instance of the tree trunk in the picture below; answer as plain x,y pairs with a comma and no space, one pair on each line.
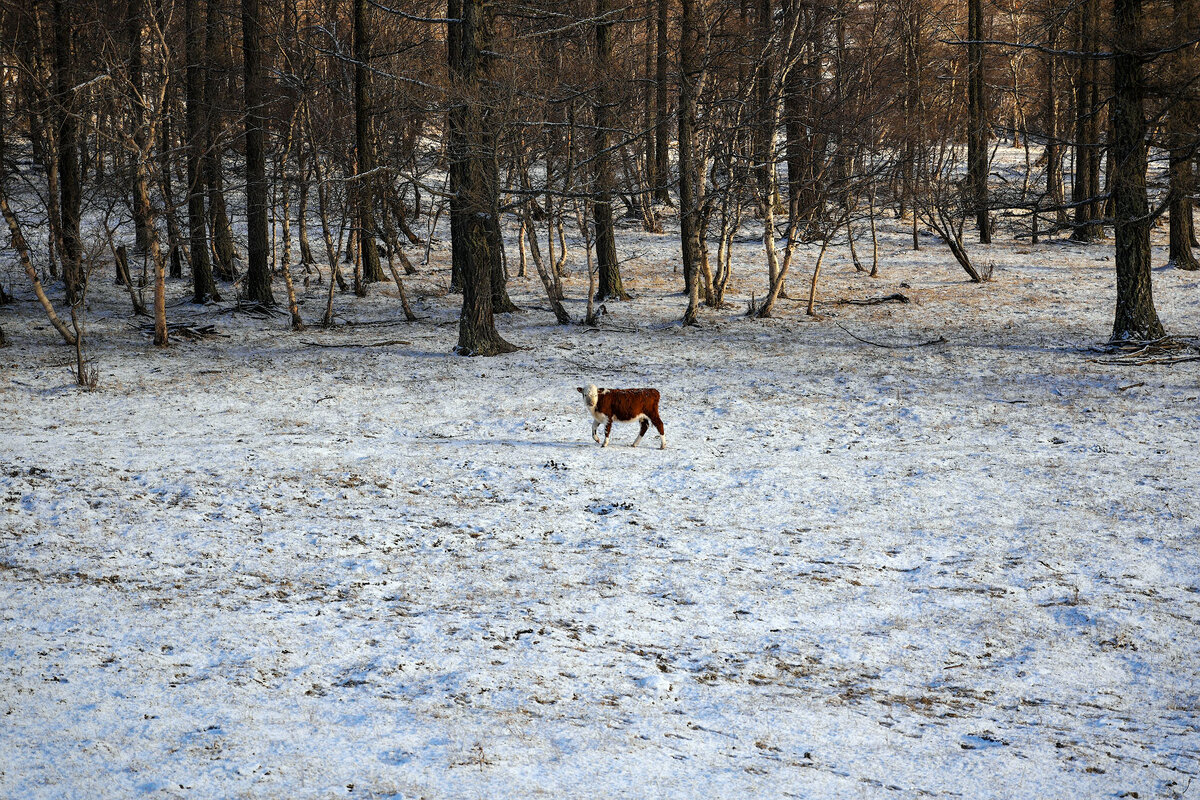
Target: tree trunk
914,106
134,31
306,257
258,274
141,188
501,302
977,138
689,212
763,134
19,244
1086,187
364,194
218,218
1181,141
472,185
1135,317
68,152
1053,153
648,118
204,288
285,261
798,144
175,248
608,269
662,138
535,253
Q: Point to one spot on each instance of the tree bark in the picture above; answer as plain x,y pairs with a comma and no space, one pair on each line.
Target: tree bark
218,217
166,149
662,140
977,138
1053,154
608,270
364,192
204,288
1086,187
69,181
473,191
763,134
689,212
1181,141
1136,318
134,23
649,122
258,275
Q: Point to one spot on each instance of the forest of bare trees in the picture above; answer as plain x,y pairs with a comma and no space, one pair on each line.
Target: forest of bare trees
237,145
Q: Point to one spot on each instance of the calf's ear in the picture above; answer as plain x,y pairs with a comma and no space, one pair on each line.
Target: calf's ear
579,389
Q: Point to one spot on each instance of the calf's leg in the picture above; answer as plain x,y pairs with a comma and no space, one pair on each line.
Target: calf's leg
642,432
662,436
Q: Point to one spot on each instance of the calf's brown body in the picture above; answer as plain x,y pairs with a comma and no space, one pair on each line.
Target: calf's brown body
623,405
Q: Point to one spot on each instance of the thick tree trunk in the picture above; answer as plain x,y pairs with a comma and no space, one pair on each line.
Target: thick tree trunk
69,187
473,191
364,192
607,266
915,136
1086,188
258,274
218,217
4,48
1182,223
136,85
1181,140
175,246
662,137
1054,171
1135,317
796,137
501,302
689,212
763,134
204,288
648,118
977,137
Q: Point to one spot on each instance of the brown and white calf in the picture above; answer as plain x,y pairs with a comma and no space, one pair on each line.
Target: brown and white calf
623,405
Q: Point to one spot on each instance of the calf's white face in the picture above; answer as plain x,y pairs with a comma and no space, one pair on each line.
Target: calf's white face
591,395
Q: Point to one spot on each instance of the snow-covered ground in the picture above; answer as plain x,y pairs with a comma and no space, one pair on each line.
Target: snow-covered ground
260,565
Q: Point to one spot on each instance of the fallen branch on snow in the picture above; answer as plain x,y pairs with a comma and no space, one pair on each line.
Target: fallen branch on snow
938,340
192,332
386,343
1136,353
874,301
